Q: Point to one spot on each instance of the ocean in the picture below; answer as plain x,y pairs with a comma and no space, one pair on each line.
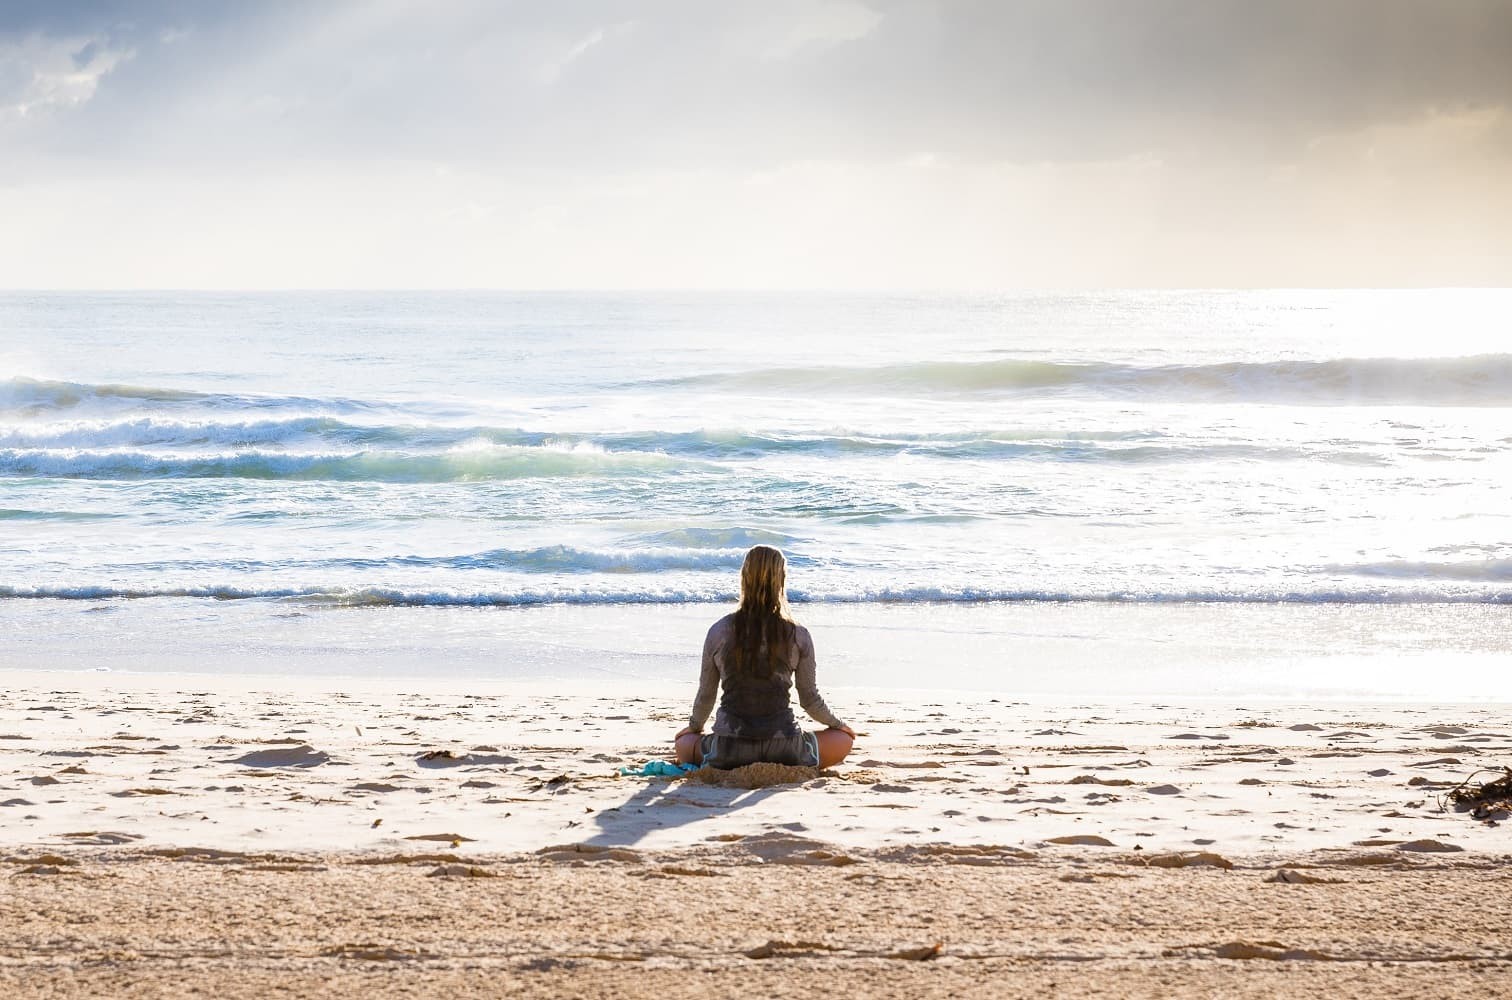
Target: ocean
1068,473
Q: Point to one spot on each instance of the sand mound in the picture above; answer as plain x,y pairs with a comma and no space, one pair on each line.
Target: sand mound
1268,950
754,775
1081,840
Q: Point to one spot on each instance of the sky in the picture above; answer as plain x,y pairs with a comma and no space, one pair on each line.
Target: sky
786,144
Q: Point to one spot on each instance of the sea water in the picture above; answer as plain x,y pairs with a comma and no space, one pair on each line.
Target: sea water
1335,466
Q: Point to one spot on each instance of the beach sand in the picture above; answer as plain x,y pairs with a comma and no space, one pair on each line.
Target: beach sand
183,835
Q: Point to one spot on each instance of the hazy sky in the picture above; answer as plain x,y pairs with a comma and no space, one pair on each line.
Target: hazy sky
704,144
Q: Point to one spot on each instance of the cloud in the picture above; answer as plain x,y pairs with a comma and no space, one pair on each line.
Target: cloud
830,22
857,143
686,81
41,76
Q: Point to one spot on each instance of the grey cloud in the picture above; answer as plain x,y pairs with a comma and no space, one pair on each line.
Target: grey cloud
602,85
122,17
1071,79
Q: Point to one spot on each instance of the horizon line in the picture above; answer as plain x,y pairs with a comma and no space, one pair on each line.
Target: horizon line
774,290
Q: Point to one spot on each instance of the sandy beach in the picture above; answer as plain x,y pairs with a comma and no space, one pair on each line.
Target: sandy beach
187,835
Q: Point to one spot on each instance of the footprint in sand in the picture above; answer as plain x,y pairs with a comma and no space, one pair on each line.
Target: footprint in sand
1429,847
1267,950
453,838
102,837
1089,779
1290,876
1197,859
446,758
302,755
461,871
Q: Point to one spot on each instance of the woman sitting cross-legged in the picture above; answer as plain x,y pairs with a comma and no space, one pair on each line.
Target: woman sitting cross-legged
756,654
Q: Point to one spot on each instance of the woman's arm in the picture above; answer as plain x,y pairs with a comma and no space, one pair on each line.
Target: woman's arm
808,686
708,681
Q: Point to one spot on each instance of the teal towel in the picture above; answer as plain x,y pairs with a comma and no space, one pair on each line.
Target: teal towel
657,769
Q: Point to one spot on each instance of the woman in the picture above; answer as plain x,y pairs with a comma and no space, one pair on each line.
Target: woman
757,653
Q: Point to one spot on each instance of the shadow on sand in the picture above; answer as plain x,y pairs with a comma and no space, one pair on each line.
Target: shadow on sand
662,804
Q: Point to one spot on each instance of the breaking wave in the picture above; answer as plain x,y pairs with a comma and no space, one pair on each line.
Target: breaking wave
1476,380
36,397
494,462
560,559
1480,570
522,597
314,447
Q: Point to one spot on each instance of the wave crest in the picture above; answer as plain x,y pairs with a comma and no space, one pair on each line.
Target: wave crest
1480,570
61,445
377,596
37,397
1477,380
493,462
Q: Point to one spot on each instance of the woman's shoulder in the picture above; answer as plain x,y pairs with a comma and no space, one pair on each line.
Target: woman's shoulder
722,627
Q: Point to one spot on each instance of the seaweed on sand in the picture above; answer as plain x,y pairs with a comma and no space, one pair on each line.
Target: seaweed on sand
1489,801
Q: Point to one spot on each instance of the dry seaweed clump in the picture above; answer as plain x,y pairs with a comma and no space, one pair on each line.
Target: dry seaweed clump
1490,800
756,775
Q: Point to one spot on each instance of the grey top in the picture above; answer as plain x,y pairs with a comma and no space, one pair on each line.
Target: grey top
795,666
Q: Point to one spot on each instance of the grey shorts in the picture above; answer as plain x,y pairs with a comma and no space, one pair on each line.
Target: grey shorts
725,752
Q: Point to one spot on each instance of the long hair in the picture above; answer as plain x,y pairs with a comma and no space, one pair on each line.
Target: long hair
762,618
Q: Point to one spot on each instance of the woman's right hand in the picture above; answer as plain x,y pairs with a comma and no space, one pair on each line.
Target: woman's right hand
847,730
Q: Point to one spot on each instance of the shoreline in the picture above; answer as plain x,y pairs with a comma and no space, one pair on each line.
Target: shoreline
96,679
1434,653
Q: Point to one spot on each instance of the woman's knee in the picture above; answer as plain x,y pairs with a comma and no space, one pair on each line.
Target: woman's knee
834,744
688,750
